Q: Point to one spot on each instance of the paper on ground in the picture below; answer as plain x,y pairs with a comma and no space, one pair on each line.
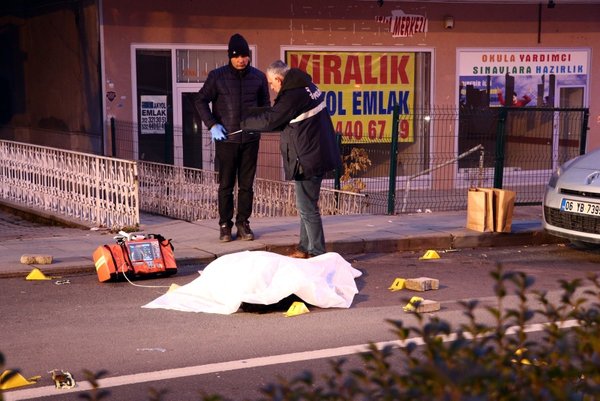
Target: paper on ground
260,277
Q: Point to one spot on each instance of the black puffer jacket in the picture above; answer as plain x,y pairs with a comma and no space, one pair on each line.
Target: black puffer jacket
232,94
308,144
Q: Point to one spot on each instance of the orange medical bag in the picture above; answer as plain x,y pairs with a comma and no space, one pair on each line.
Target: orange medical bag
135,256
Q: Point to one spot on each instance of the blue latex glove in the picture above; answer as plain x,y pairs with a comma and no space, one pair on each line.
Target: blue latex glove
218,132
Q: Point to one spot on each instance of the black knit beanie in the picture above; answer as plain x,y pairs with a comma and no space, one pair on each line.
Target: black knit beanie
238,46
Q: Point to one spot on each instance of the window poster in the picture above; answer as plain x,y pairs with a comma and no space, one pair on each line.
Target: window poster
532,76
362,89
153,114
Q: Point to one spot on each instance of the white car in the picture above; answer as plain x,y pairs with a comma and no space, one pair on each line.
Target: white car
572,200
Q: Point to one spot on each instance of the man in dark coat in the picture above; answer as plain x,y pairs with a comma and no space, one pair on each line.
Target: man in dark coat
308,146
234,90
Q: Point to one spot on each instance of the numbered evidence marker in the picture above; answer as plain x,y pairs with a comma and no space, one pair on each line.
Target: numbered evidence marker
297,308
420,305
398,284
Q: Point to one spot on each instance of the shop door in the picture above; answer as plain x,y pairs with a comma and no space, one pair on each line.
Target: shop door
154,99
191,131
196,149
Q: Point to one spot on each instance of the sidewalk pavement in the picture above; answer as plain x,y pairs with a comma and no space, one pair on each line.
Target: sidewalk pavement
197,242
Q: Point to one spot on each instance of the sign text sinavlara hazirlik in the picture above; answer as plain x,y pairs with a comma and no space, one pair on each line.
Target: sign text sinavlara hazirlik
523,62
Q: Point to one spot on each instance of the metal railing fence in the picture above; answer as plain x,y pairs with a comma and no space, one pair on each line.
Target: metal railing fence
517,149
109,192
191,194
93,189
449,151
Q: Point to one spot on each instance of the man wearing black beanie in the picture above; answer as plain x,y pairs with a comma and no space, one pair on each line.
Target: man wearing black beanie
233,90
238,46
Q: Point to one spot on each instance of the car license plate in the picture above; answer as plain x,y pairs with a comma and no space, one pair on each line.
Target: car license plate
573,206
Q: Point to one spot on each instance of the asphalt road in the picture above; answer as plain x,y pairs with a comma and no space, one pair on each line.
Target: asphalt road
82,324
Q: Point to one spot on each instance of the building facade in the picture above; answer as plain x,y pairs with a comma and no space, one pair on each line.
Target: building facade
99,67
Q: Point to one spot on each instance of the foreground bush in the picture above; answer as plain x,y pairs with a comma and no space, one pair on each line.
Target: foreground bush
478,362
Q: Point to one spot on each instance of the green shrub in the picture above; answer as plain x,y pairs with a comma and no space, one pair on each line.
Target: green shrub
475,361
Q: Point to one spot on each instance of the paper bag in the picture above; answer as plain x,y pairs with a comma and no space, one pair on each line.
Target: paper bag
480,209
504,203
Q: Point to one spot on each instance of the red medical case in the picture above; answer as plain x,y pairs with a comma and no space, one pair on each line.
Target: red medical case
135,256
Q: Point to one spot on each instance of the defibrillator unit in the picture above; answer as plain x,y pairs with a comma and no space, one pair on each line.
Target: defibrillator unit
135,255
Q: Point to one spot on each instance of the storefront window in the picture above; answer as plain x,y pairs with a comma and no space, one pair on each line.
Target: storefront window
193,65
532,83
363,88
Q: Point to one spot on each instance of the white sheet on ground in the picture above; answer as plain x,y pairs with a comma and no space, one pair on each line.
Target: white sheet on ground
260,277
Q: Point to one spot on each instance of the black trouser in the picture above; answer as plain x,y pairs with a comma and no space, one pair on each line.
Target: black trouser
236,161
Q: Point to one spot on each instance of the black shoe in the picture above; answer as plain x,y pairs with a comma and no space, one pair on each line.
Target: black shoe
225,233
298,254
244,232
